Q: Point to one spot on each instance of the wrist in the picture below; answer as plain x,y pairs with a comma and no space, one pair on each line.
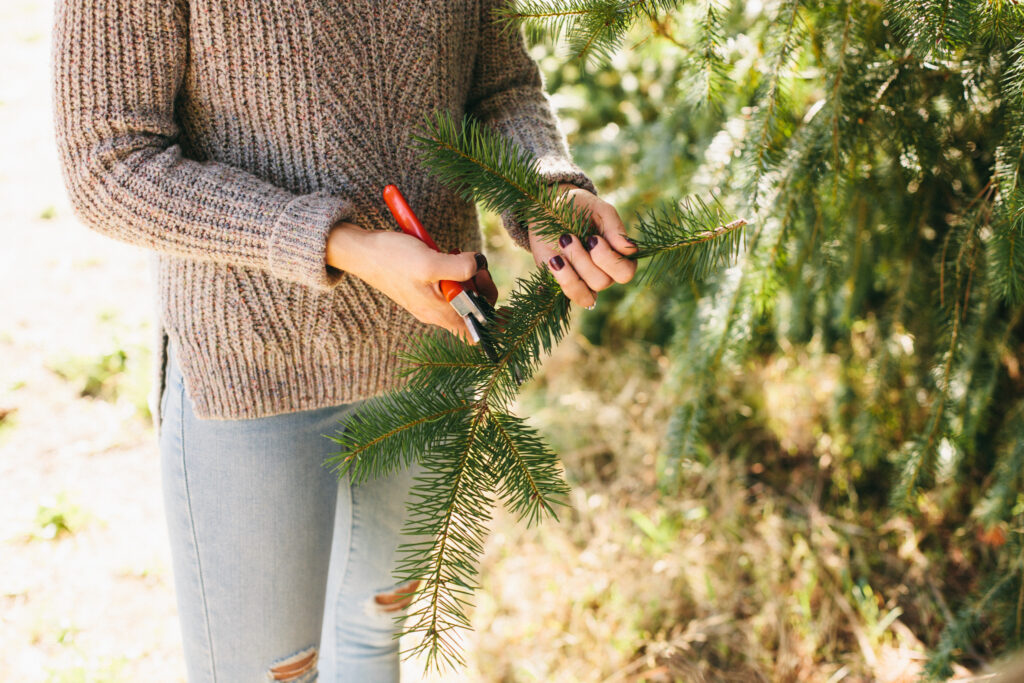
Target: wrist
345,243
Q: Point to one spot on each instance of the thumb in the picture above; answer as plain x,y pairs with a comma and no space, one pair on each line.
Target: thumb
458,267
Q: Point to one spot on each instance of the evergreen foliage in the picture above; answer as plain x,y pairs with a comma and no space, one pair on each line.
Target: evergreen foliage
877,146
452,419
593,28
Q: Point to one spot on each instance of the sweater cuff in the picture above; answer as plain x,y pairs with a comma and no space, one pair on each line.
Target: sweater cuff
298,241
554,170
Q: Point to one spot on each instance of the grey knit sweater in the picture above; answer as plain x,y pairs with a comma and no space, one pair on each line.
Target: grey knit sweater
229,137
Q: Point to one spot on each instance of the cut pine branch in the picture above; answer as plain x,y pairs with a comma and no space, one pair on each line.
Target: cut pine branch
452,418
688,240
492,170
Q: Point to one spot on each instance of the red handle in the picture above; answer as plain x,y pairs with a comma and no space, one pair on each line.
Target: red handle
411,225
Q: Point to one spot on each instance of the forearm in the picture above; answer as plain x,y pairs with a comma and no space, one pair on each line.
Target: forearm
125,173
157,200
352,249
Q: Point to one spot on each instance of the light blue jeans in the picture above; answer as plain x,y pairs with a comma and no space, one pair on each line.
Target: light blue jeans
280,570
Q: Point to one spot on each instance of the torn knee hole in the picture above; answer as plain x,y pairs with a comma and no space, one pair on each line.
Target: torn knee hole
399,600
295,666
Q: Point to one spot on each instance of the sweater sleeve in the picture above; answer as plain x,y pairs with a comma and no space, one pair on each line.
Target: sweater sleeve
118,66
507,93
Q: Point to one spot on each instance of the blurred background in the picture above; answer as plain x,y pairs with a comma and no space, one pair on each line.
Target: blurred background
733,447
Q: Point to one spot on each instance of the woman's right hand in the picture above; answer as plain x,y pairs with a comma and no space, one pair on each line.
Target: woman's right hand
408,271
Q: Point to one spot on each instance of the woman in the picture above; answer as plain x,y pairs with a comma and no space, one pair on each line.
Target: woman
246,144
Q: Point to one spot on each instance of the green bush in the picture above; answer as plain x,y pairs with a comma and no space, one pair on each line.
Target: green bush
876,148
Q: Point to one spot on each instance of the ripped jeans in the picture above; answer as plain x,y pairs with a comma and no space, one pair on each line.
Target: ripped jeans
280,570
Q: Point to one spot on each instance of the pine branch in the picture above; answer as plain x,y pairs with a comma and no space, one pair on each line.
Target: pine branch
452,420
763,150
919,458
721,325
452,417
528,472
488,168
439,359
449,508
959,633
391,431
1005,248
936,28
1013,78
539,17
835,101
681,246
594,28
537,318
709,69
998,502
1000,22
679,239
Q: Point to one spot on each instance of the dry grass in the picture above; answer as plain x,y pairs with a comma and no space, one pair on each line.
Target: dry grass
723,577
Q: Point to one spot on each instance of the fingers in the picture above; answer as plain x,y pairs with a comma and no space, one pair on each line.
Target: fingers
610,261
610,224
580,260
457,267
443,315
606,218
570,282
585,268
468,266
485,285
595,263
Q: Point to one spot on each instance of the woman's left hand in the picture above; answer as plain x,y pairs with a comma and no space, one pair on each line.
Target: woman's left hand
584,269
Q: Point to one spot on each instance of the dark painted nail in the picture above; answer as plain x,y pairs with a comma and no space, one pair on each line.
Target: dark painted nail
591,242
556,263
481,262
564,241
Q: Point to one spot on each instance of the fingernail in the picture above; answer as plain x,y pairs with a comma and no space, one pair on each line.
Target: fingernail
564,241
591,242
481,262
556,263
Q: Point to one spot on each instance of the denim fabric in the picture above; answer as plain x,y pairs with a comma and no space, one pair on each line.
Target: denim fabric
272,555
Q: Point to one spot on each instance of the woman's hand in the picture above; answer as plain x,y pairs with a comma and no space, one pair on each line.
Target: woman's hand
583,270
408,271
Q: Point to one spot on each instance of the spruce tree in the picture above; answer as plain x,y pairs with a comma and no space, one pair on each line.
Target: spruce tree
877,148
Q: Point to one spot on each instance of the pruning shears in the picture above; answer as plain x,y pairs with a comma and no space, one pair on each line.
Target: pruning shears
463,296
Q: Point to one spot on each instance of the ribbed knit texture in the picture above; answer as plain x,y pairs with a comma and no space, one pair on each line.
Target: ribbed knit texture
230,137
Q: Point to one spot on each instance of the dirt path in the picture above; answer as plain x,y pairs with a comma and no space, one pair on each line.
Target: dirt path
96,603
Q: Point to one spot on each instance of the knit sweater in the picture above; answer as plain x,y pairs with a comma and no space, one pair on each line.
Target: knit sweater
229,137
